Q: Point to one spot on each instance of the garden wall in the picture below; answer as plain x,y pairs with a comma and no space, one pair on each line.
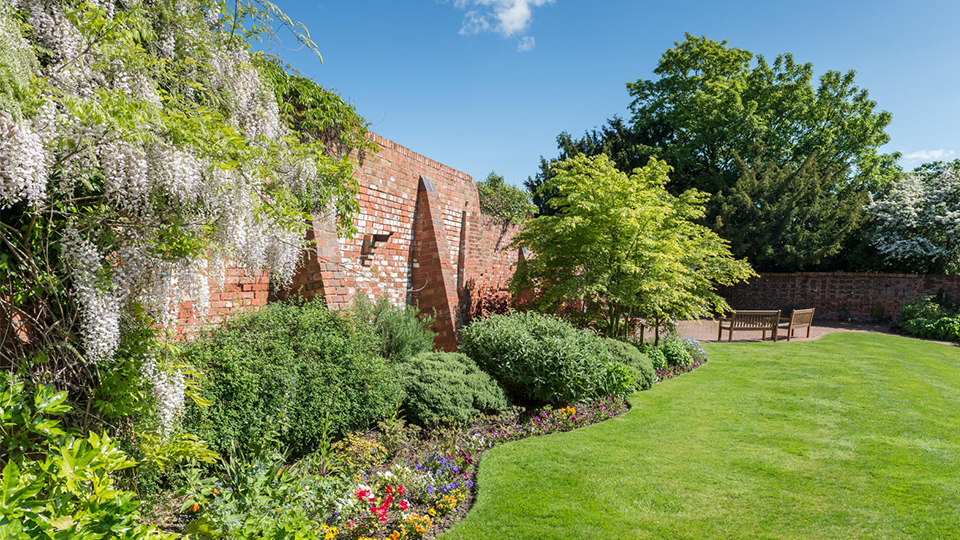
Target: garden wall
831,293
421,240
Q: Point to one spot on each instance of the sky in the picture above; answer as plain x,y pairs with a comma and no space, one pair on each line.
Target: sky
484,85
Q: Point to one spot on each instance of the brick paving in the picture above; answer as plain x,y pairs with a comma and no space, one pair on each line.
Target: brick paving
705,330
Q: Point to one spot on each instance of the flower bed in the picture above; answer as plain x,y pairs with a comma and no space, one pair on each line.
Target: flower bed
401,482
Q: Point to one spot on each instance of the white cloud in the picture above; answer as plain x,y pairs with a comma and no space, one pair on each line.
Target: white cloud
526,43
928,155
506,17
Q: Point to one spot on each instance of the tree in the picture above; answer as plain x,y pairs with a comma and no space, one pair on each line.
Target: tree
715,107
917,223
622,245
711,103
787,219
499,199
142,147
627,150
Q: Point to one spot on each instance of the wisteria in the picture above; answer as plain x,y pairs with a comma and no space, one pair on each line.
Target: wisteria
142,152
168,388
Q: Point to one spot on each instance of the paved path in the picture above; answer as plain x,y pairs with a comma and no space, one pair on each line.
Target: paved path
705,330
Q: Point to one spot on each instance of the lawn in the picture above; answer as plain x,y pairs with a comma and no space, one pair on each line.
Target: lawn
850,436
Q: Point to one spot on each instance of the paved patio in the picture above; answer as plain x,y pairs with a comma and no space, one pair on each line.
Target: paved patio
705,330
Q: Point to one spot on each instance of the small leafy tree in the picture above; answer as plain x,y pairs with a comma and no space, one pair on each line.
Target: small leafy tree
918,221
499,199
621,245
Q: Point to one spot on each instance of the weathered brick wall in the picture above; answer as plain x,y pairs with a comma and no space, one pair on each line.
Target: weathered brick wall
421,240
857,294
240,291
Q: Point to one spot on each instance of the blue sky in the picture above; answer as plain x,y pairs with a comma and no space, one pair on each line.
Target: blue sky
485,85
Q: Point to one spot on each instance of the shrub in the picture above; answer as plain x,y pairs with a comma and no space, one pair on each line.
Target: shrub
675,353
539,359
928,307
289,370
487,301
696,350
55,485
942,329
448,386
656,356
402,331
629,355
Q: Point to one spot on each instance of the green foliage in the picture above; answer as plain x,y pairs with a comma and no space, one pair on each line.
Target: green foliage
622,245
354,454
629,355
289,368
539,359
55,485
448,387
932,317
499,199
655,354
676,353
787,219
255,495
710,102
402,330
942,329
928,307
147,80
715,108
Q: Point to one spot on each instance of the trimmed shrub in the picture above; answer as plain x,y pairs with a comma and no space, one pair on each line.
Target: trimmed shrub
449,387
540,359
631,356
284,372
675,353
656,356
402,331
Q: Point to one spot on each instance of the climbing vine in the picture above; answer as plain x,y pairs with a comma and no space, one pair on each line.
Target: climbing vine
144,148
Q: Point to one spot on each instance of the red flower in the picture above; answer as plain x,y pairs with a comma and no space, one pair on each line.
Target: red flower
403,505
400,490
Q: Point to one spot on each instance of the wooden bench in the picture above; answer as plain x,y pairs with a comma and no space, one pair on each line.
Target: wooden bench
800,318
753,320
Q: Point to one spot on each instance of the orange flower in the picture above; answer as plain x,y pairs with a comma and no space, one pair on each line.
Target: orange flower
194,507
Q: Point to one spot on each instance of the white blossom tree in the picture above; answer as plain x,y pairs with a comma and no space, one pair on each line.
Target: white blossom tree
918,222
142,148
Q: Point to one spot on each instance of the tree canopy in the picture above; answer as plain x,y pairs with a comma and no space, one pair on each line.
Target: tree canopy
717,111
917,223
621,245
500,199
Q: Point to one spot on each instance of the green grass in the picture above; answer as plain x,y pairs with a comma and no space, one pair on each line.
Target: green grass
850,436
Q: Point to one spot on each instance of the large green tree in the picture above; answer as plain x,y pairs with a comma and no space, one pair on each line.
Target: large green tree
711,101
785,219
714,108
620,245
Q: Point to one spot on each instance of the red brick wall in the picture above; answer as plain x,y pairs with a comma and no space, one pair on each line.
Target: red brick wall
240,291
415,214
859,294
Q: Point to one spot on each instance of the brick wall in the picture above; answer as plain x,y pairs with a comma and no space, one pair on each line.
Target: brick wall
240,291
858,294
421,240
